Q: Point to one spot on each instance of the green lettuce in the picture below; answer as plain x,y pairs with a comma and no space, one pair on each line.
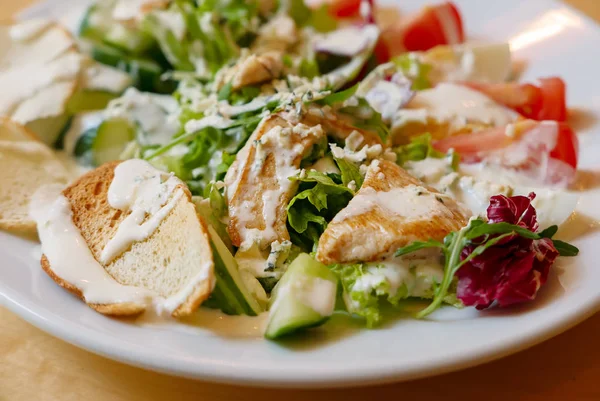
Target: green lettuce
420,148
414,69
211,151
319,198
367,290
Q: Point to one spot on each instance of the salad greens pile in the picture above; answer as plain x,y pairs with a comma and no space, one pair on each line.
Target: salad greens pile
208,72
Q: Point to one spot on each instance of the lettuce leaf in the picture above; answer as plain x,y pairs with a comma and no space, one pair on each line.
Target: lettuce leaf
364,116
420,148
415,70
368,289
210,153
320,197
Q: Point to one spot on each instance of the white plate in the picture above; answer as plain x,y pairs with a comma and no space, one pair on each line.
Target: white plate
555,40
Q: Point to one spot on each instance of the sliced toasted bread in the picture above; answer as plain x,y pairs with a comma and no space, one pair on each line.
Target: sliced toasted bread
24,167
391,210
258,188
175,261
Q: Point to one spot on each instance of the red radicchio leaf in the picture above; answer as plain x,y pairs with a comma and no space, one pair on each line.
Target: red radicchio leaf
514,210
513,270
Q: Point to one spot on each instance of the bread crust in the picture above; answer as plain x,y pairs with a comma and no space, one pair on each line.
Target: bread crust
91,211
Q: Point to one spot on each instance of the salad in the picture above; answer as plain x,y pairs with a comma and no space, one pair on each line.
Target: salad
336,163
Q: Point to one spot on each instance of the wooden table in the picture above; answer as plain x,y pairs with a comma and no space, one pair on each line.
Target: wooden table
36,366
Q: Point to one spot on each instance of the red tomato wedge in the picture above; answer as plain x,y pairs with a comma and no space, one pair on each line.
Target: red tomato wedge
544,102
547,149
554,105
434,25
344,8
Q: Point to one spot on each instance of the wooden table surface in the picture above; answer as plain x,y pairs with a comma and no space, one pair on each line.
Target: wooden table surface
35,366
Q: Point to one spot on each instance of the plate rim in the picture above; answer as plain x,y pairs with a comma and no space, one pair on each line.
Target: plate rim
87,338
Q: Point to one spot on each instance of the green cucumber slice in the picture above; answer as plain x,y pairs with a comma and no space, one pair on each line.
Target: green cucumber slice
131,40
231,293
112,137
95,23
146,73
86,100
304,297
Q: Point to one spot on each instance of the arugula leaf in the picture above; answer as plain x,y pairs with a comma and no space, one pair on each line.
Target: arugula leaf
417,246
455,242
339,97
225,91
549,232
565,249
499,228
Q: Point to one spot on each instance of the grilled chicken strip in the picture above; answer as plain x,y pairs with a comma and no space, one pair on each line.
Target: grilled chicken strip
391,210
258,185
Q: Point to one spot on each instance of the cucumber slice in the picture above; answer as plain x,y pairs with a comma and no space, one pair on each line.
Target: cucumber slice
145,73
231,293
304,297
87,100
131,40
98,24
173,49
111,138
95,22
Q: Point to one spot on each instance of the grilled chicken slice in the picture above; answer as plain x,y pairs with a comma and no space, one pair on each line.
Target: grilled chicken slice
391,210
256,69
258,185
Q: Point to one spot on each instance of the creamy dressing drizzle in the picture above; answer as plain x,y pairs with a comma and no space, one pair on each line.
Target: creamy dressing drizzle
474,184
149,194
284,144
415,273
152,113
69,256
455,104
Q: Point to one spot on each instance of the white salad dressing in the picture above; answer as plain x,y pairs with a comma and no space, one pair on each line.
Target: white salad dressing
152,113
69,256
456,104
286,146
344,42
209,121
415,273
149,194
473,185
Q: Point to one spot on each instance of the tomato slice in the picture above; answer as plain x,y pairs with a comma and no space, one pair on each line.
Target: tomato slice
481,145
546,102
344,8
434,25
526,99
554,105
567,146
